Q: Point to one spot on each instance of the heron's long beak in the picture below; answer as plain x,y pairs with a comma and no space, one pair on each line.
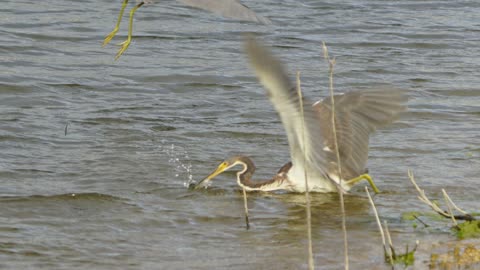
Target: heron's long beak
221,168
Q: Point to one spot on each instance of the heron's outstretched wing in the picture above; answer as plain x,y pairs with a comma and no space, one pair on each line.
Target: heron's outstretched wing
227,8
305,138
357,115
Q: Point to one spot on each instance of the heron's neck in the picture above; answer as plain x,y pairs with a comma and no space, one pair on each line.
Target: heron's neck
244,179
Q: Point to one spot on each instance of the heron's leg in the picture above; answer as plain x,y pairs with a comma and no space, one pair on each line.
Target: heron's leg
126,43
109,37
365,176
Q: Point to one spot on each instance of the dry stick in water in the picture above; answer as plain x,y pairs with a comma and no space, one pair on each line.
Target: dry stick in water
311,265
331,64
391,254
449,207
422,197
247,222
379,226
452,203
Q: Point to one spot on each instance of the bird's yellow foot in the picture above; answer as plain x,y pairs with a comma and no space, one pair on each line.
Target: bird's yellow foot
126,43
365,176
109,37
124,47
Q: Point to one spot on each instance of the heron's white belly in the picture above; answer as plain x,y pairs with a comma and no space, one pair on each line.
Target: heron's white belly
316,182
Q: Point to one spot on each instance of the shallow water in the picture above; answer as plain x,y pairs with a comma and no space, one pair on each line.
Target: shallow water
111,193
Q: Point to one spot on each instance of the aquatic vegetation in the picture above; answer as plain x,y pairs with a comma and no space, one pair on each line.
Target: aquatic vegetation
459,257
391,256
467,229
406,259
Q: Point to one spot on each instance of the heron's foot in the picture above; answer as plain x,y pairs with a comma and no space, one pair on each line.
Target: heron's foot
109,37
127,42
124,47
367,177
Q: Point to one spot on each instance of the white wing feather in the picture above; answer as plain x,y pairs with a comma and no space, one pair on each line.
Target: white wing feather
304,138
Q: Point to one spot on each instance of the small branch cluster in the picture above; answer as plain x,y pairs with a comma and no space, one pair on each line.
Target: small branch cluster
448,201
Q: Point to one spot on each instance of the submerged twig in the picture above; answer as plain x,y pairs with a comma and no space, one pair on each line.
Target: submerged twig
66,128
421,221
311,265
247,222
331,65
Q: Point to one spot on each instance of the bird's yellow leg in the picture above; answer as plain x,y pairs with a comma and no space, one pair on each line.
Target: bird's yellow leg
109,37
126,43
365,176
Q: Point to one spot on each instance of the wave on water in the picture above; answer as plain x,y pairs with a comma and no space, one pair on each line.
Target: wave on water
68,205
63,197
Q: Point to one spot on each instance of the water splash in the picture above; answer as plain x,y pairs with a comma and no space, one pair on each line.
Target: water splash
179,159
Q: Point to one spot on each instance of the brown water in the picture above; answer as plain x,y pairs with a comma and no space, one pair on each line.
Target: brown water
111,193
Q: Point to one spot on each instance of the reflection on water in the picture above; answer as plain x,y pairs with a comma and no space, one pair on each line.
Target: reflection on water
183,99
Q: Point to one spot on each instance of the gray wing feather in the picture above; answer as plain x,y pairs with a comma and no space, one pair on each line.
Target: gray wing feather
357,115
227,8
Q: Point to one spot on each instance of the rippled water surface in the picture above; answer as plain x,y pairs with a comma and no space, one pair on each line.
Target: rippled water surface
95,154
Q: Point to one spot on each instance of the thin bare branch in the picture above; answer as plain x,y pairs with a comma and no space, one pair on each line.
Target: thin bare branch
449,208
331,65
311,265
452,203
325,50
377,218
422,197
390,254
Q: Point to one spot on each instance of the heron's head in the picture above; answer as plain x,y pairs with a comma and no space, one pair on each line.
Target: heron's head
246,162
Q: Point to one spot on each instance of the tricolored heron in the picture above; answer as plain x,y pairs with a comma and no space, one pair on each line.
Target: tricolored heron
227,8
310,134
